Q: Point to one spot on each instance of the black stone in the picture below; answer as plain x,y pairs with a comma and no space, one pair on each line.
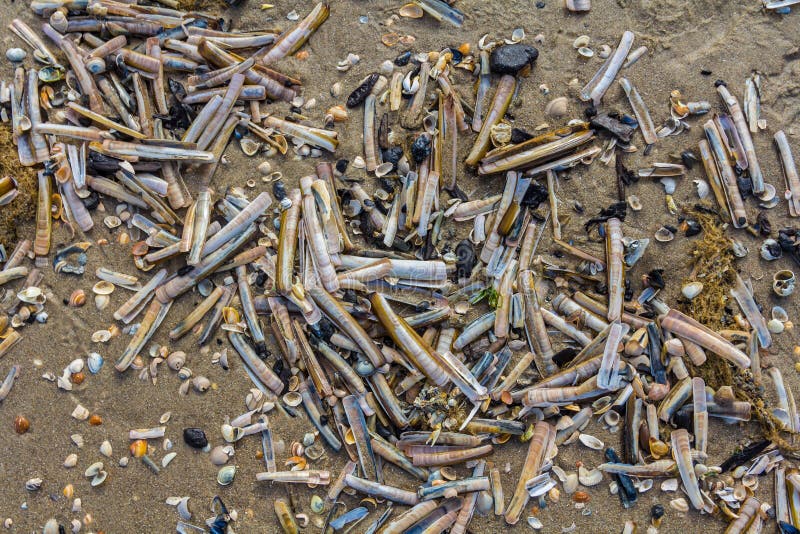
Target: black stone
465,259
403,59
392,155
421,148
195,437
510,59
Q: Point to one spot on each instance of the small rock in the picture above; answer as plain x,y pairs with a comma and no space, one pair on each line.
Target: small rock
195,437
510,59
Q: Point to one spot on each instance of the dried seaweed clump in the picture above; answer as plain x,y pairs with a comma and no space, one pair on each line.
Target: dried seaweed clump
22,208
713,263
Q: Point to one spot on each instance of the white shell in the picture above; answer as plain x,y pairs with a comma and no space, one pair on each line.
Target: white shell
71,460
168,458
775,326
645,485
589,477
783,283
103,287
535,523
679,504
591,442
80,413
581,41
670,484
779,314
703,188
557,107
692,289
101,336
105,449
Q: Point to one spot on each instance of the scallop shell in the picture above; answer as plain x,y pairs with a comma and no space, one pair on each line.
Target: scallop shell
664,235
589,477
103,287
105,449
112,221
586,52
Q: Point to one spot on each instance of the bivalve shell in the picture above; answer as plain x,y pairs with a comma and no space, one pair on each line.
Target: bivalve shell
411,11
589,477
779,314
775,326
557,107
292,399
77,298
591,442
32,295
103,287
226,475
783,283
664,235
692,289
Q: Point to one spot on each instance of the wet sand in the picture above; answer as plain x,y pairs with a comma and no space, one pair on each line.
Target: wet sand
730,39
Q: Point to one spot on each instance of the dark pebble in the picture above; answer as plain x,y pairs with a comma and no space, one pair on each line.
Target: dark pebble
692,228
92,201
421,148
657,511
518,136
341,166
392,155
195,437
510,59
403,59
465,259
279,190
540,4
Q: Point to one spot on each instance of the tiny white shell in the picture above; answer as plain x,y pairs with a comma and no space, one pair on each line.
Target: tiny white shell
105,449
71,460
